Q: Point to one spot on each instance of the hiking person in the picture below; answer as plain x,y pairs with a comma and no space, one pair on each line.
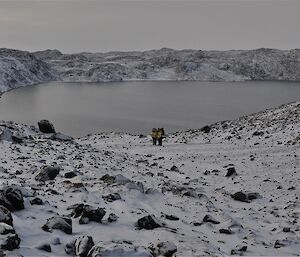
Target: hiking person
154,135
160,135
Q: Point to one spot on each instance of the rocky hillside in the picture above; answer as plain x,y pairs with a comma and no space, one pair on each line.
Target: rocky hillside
231,188
19,68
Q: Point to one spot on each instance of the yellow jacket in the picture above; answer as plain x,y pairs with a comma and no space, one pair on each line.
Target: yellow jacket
154,134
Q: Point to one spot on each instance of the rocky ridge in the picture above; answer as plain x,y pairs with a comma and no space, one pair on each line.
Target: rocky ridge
20,68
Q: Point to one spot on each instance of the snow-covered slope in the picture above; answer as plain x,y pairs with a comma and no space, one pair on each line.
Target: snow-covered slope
179,183
19,68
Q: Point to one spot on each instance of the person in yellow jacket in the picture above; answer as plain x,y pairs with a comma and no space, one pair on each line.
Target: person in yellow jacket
154,135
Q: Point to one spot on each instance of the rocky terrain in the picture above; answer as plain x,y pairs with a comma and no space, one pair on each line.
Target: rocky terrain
19,68
231,188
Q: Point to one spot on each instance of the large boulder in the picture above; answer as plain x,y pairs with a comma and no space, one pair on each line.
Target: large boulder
46,126
47,173
149,222
5,216
61,223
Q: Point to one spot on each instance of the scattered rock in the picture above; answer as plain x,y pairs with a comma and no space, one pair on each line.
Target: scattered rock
47,173
61,137
231,172
227,231
61,223
5,216
70,174
174,168
112,217
166,248
171,217
90,213
245,197
10,243
149,222
15,197
83,245
112,197
206,129
210,219
36,201
44,247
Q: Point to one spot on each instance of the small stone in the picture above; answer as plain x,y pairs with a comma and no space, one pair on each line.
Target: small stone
44,247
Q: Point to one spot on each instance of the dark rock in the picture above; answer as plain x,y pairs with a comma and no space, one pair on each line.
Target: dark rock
90,213
231,172
227,231
83,245
286,230
239,250
36,201
5,216
17,138
15,197
245,197
278,244
258,133
171,217
77,209
206,129
240,196
61,223
174,168
4,201
108,179
46,127
112,197
70,174
10,243
149,222
44,247
210,219
47,173
112,217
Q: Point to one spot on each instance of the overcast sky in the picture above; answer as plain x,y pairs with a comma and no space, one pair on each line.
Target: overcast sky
99,26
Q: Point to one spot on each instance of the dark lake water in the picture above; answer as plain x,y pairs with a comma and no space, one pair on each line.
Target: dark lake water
135,107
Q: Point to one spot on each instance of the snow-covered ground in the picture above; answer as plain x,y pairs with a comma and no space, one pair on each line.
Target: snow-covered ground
180,183
20,68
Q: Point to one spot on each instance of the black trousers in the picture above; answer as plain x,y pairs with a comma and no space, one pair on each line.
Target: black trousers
154,140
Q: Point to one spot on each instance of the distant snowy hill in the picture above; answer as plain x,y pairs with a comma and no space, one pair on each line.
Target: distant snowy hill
19,68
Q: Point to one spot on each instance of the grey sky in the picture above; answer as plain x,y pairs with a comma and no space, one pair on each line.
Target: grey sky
98,26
